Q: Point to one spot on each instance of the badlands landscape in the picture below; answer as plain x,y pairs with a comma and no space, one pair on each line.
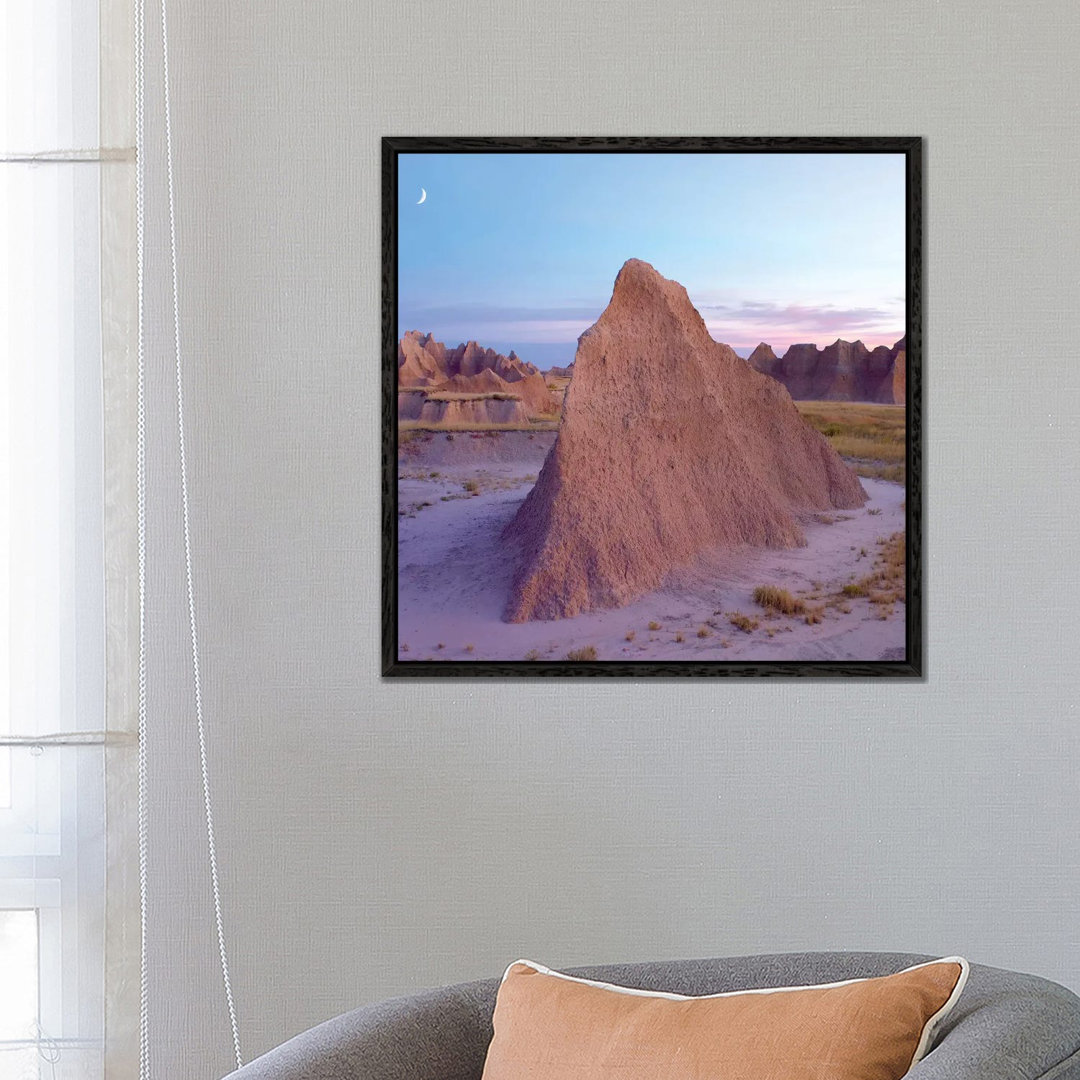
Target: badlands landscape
660,499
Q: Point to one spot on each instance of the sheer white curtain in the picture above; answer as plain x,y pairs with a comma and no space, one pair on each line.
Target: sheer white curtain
52,543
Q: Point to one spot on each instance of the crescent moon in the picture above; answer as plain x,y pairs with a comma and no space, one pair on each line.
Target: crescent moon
423,196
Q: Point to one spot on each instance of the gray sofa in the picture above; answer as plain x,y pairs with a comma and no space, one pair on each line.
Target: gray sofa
1005,1026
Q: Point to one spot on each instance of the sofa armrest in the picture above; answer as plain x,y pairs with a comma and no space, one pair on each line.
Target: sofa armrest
441,1034
1007,1026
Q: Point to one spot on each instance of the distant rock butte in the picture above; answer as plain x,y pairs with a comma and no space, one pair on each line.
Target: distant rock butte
842,371
483,382
425,364
670,445
899,374
763,358
474,411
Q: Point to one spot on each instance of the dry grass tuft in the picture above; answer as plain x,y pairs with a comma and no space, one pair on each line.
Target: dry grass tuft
814,615
775,599
631,634
679,637
886,585
654,625
893,557
585,653
703,632
746,623
532,654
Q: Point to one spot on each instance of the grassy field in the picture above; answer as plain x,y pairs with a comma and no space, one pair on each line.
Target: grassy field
871,438
452,395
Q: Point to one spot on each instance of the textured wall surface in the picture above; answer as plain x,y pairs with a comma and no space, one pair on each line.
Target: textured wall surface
376,838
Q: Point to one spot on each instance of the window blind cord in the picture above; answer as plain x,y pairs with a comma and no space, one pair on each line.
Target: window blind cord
140,456
143,814
193,622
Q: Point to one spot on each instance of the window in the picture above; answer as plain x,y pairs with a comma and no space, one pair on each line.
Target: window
52,855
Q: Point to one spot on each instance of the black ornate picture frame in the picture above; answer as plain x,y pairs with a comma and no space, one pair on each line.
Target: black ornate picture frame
710,511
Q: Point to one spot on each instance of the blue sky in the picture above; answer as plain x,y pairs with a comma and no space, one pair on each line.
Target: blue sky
521,250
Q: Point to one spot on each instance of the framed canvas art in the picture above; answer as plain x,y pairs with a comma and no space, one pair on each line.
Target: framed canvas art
652,407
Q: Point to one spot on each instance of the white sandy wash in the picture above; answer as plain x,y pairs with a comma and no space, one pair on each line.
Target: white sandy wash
454,574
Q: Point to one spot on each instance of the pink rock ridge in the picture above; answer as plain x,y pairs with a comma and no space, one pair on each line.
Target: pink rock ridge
670,445
427,364
842,371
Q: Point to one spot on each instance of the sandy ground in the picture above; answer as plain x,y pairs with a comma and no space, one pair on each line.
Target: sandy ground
453,576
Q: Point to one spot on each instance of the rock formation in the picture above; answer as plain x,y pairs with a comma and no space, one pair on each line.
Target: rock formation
763,358
671,445
899,374
534,392
483,382
410,403
421,360
428,366
844,365
557,372
473,410
842,371
798,366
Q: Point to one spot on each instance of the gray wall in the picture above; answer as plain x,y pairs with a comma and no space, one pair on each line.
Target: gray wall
375,838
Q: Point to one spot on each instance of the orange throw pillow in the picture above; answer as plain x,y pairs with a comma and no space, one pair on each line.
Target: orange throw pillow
550,1026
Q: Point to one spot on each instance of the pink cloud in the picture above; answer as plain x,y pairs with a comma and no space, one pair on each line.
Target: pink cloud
743,325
